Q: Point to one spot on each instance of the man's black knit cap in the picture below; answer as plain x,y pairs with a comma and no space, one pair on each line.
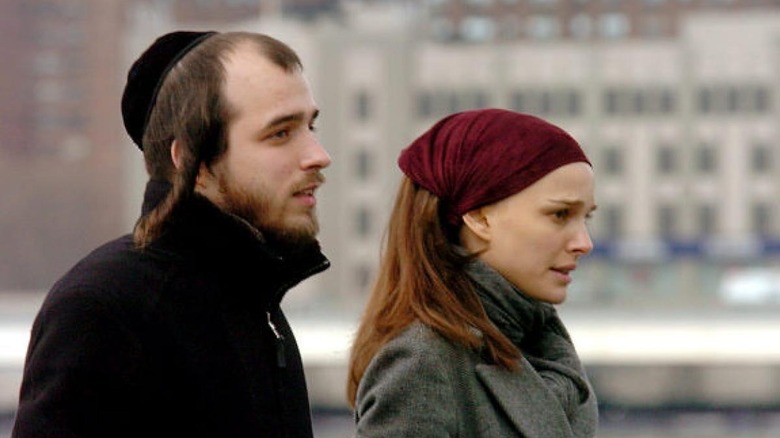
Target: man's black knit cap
146,75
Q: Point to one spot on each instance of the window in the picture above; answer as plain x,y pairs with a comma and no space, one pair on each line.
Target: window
628,101
611,101
442,28
666,101
731,99
761,99
362,105
638,102
510,27
543,27
761,218
363,221
613,222
667,221
453,102
581,26
424,104
653,27
706,220
706,159
478,29
705,100
363,275
614,25
613,161
545,103
573,103
666,160
363,165
556,102
761,160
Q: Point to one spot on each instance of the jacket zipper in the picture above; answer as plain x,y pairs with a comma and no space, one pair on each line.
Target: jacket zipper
281,359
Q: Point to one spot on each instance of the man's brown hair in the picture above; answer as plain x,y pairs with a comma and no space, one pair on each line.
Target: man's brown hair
191,108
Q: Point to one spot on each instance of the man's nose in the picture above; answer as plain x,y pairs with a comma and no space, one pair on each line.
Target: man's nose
315,155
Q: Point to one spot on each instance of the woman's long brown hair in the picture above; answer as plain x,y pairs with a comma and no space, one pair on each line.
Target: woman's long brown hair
421,278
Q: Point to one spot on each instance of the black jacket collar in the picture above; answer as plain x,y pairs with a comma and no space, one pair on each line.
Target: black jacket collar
202,234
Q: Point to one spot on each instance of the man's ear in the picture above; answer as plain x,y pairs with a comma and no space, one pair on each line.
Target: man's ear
477,222
176,154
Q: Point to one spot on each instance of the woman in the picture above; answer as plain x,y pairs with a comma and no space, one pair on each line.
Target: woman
459,337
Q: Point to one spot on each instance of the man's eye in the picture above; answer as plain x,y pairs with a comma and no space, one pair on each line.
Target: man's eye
281,134
562,214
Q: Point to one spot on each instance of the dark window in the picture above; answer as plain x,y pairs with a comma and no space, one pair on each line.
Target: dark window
613,161
705,100
761,219
362,276
363,164
667,160
706,159
611,101
666,102
761,99
613,222
761,158
424,105
707,220
362,106
519,101
573,103
667,221
363,219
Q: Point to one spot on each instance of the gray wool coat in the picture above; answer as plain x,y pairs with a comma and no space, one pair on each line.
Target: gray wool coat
421,385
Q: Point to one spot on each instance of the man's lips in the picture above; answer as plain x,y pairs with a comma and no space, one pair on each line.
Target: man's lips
306,194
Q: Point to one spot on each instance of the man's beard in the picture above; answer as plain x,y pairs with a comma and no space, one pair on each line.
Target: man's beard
256,209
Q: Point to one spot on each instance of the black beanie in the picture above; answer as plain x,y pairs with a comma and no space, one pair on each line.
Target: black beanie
146,75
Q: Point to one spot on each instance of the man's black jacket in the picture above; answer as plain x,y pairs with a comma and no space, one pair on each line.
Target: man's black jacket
184,338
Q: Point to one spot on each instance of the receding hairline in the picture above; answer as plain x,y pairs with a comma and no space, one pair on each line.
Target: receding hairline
271,49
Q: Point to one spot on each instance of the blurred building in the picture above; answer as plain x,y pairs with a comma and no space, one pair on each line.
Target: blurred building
56,140
682,132
62,145
680,122
512,20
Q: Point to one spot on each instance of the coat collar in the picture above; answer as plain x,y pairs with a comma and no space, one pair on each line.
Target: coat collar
207,237
532,409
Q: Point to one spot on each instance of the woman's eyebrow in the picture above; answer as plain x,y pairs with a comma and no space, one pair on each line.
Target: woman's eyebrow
571,203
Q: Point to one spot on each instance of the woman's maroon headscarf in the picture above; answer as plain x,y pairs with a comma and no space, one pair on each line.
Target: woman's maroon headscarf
475,158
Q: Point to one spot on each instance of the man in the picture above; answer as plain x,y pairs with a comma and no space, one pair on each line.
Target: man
176,331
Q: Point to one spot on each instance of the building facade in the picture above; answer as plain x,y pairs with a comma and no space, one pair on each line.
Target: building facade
682,133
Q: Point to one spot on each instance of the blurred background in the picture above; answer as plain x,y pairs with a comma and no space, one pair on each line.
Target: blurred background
676,314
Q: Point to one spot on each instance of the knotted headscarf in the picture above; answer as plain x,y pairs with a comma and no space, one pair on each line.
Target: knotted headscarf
475,158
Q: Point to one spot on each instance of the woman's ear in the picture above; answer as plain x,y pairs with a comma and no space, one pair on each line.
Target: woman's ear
477,223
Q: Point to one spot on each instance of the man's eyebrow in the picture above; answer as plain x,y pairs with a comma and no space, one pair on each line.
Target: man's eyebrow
294,117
